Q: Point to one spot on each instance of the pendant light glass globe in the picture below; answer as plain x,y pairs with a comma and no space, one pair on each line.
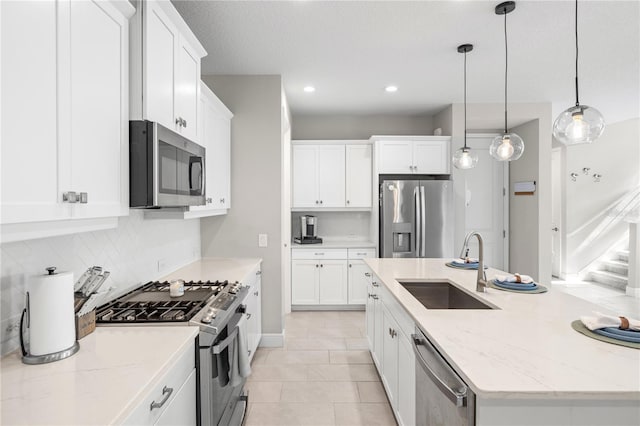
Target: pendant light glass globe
507,147
464,158
578,124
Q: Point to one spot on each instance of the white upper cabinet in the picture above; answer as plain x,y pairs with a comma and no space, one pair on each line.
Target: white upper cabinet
413,154
331,175
358,179
64,115
165,68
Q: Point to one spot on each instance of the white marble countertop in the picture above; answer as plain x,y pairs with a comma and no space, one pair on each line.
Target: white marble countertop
328,243
215,268
99,385
112,372
525,349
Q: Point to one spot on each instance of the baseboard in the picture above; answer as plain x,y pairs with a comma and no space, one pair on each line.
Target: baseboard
633,292
272,340
327,308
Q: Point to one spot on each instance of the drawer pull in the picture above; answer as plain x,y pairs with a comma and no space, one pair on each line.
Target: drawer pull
248,316
167,393
367,274
361,254
375,284
319,254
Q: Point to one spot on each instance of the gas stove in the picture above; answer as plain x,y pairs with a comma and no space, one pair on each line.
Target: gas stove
204,303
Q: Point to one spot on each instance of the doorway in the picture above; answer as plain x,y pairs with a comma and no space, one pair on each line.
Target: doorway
486,204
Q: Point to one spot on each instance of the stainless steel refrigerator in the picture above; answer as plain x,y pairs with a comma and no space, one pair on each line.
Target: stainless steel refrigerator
416,218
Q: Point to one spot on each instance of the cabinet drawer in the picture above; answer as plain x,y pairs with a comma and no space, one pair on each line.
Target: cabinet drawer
173,379
319,254
362,253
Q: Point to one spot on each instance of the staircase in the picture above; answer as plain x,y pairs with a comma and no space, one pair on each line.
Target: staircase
613,273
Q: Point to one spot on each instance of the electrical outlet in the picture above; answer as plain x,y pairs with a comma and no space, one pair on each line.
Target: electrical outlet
262,240
162,265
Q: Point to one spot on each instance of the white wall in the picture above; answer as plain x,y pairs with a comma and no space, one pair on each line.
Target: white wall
130,252
589,231
255,184
341,126
523,209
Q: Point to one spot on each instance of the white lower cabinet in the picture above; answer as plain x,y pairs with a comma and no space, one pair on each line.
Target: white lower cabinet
172,401
391,349
181,410
329,276
254,311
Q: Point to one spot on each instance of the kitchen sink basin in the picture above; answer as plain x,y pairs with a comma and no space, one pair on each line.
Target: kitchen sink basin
443,295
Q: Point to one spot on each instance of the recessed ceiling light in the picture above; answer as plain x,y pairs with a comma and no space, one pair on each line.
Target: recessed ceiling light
309,89
391,89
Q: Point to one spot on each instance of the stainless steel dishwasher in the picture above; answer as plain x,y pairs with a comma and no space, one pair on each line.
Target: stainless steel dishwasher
442,398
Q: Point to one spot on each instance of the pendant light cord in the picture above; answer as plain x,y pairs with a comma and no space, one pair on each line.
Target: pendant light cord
506,69
465,100
576,28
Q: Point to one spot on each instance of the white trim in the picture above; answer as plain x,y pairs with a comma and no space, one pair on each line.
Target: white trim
633,292
32,230
272,340
331,142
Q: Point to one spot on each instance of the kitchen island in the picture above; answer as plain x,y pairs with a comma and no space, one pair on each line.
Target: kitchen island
522,359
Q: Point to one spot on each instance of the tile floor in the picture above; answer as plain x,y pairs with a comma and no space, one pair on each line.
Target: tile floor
324,375
608,297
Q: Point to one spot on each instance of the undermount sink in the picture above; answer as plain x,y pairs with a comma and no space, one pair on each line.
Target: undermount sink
443,295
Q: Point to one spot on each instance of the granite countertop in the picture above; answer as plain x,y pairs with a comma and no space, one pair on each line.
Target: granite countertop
99,385
524,349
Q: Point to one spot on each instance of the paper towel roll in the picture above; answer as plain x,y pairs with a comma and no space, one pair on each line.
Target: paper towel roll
51,315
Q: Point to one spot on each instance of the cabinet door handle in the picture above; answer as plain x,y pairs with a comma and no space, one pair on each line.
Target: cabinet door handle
248,316
84,197
367,274
317,202
320,201
321,265
348,201
222,200
184,122
374,296
209,200
317,266
258,272
375,284
179,121
350,265
167,393
319,254
70,197
256,293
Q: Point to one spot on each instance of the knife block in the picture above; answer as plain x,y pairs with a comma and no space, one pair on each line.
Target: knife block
85,324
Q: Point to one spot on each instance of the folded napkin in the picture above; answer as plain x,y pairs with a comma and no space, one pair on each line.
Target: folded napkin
602,321
465,261
515,286
515,279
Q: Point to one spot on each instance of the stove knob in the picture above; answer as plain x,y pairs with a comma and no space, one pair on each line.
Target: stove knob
206,319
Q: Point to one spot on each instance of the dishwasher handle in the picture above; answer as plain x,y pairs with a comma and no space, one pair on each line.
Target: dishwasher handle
459,398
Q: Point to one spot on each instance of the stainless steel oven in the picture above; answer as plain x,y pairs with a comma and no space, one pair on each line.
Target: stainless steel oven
442,397
165,168
222,401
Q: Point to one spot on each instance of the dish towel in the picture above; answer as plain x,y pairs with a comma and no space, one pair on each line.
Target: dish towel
465,261
239,367
605,321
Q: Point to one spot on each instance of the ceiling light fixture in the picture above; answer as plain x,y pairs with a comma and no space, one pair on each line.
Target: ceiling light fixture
309,89
391,89
579,123
464,158
508,146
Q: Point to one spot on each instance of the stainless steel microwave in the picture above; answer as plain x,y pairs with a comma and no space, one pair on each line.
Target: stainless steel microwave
165,168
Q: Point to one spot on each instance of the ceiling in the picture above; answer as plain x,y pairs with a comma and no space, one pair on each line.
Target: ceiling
350,50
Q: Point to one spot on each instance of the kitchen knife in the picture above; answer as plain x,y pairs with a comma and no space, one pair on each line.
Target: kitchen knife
95,275
97,283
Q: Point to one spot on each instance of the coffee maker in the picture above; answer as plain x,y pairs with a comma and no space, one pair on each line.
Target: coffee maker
308,231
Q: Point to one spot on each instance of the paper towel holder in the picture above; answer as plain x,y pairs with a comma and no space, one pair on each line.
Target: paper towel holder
27,357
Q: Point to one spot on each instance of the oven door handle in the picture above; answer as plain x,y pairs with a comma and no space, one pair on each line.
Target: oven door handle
217,349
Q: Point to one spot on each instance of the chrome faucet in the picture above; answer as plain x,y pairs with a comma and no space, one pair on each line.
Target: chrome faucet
481,283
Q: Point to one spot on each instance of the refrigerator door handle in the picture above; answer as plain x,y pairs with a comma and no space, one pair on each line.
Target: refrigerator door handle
423,224
418,227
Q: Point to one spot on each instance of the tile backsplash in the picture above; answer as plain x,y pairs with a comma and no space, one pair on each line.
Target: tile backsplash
137,251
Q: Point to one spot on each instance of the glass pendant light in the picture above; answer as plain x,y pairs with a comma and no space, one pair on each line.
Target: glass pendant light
579,123
508,146
464,158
